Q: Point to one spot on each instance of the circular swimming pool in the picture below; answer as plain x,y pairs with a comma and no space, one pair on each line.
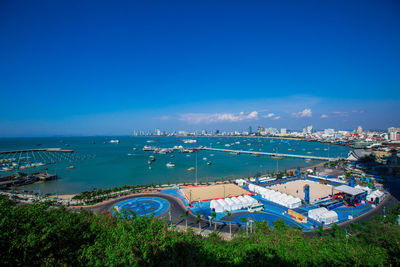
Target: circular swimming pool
142,206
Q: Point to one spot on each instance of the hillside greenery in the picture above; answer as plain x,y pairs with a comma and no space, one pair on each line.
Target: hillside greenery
38,234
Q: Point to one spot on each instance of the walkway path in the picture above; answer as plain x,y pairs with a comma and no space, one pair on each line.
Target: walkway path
270,154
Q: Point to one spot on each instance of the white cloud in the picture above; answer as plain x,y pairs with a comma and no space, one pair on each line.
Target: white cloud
276,117
196,118
305,113
324,116
269,115
252,115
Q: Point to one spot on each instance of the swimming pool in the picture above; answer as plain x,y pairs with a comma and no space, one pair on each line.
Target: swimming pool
142,206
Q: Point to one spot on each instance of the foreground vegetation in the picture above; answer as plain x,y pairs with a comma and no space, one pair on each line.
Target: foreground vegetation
40,235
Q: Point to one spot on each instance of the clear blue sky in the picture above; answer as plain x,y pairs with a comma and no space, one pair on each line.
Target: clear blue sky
109,67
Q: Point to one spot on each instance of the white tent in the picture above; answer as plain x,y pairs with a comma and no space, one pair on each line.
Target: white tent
323,215
215,205
224,205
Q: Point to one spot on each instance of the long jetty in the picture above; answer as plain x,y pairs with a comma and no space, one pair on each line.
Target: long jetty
270,154
38,150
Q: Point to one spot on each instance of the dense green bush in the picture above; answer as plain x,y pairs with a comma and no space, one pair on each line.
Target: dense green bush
41,235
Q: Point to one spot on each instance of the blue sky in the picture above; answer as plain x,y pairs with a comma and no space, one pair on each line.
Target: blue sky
111,67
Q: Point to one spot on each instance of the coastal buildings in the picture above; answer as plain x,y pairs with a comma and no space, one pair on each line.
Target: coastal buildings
393,134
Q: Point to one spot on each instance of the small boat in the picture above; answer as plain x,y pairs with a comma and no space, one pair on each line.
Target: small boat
191,169
227,145
150,168
209,163
149,162
190,141
211,155
172,156
204,158
129,154
187,155
114,141
170,165
70,167
234,153
134,148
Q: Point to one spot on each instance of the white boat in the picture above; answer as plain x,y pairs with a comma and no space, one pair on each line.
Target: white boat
189,141
114,141
149,148
170,165
227,145
191,169
237,143
204,158
211,155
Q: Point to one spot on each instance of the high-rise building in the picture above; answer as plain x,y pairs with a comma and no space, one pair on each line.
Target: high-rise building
393,133
260,129
250,130
359,130
283,131
308,129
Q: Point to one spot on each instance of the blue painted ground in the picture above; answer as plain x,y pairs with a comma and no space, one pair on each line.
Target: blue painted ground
143,206
176,193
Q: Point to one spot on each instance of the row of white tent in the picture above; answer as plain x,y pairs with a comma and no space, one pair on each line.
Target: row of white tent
323,215
283,199
233,203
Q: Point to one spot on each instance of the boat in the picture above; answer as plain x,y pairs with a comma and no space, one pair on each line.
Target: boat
151,141
114,141
209,163
149,148
211,155
204,158
276,157
150,168
227,145
149,162
170,165
187,155
172,156
234,153
238,143
189,141
70,167
134,148
129,154
191,169
152,158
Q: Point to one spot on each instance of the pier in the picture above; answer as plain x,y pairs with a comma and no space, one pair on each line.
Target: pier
38,150
271,154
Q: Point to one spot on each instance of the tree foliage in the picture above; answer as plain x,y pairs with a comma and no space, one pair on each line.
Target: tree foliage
38,234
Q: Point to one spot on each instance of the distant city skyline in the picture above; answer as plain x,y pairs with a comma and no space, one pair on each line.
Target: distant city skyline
98,68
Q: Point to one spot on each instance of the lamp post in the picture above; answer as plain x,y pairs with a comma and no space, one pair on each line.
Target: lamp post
196,167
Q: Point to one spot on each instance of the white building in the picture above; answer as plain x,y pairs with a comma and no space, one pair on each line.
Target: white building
393,133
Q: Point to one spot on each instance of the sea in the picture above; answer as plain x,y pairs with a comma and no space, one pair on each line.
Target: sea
98,163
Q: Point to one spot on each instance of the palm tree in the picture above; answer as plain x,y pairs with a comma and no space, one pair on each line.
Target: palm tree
230,222
213,218
244,220
185,215
198,219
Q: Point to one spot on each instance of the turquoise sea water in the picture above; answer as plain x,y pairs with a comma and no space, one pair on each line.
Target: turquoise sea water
110,164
